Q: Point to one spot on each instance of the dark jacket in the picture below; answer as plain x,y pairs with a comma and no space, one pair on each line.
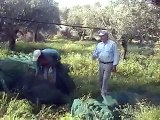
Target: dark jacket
48,58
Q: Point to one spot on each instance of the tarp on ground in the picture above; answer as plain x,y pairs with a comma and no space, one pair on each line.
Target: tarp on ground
102,108
18,74
90,109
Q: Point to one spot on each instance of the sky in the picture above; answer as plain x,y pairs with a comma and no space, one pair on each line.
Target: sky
71,3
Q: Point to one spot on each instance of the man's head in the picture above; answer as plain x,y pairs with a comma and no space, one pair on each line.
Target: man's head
36,55
104,35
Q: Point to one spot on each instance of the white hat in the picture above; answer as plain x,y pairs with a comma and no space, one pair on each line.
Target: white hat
102,32
36,54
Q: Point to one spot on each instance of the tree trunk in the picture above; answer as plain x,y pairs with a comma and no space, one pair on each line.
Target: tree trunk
35,33
1,24
12,43
124,52
141,41
11,36
124,38
91,33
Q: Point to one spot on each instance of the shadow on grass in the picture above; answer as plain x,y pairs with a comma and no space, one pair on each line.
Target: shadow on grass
86,86
122,92
147,90
150,91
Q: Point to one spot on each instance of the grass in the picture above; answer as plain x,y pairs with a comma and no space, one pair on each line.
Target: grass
139,72
140,111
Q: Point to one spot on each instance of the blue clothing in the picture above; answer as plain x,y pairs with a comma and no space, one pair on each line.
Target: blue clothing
51,55
48,59
107,52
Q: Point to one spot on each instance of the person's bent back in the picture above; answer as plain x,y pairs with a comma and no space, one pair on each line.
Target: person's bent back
46,59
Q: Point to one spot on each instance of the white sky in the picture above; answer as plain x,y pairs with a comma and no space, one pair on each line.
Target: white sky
70,3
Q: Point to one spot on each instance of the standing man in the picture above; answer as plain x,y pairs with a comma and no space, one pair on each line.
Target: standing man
108,57
46,59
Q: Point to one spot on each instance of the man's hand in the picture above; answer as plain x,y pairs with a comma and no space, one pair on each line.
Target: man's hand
114,68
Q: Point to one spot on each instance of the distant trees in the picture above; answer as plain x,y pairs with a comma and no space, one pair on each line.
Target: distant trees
138,19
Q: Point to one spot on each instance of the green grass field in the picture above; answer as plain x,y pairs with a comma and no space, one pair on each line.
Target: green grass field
140,72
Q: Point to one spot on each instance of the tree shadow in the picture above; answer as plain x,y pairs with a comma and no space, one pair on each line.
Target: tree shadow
148,91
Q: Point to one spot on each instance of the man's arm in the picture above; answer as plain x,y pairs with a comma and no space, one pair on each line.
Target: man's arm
95,53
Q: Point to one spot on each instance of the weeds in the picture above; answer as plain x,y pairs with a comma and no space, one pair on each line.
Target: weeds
136,72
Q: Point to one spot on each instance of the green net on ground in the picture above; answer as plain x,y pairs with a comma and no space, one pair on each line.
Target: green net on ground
90,109
103,108
17,73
